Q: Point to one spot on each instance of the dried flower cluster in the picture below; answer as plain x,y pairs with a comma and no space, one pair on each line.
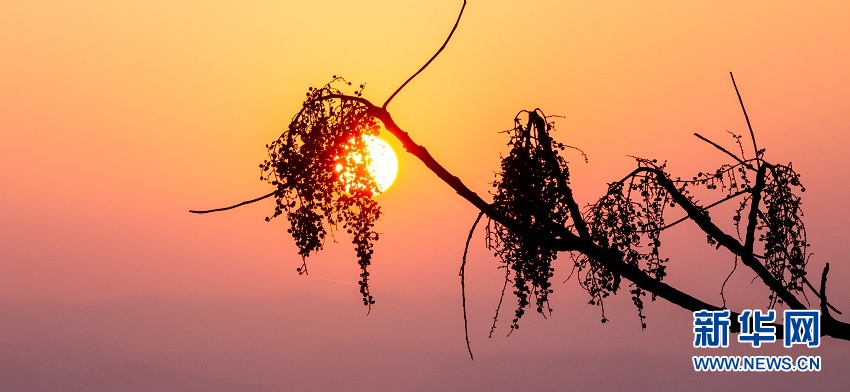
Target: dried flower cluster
322,143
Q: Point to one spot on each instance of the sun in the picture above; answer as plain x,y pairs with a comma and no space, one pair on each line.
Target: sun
384,167
383,164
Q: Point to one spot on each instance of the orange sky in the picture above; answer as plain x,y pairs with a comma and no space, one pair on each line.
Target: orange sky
117,118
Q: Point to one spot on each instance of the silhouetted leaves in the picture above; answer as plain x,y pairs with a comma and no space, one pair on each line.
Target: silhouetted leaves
630,218
784,234
628,221
323,141
529,191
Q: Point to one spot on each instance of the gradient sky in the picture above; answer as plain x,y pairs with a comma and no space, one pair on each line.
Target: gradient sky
116,118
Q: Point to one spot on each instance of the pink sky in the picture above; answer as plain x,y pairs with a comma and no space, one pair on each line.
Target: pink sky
116,119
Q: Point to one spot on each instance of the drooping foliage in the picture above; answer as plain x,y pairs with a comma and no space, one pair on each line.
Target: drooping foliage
319,167
627,220
630,218
783,232
531,191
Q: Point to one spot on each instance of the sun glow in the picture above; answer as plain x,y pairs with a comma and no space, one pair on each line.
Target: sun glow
383,164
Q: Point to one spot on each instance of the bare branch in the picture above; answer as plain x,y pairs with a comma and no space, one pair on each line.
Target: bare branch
429,60
235,205
568,241
560,236
831,326
565,238
685,218
823,304
723,287
750,127
546,141
717,146
462,274
814,290
752,219
701,218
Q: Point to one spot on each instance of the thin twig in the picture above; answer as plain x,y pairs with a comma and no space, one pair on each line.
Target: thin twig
823,302
814,290
822,293
463,283
575,265
750,127
685,218
501,298
723,287
717,146
738,142
235,205
538,120
384,106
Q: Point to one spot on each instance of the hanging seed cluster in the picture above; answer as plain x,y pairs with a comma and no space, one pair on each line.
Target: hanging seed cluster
324,141
630,217
529,191
778,220
781,229
628,221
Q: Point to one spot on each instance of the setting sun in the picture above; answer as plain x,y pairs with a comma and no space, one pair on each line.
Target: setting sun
383,166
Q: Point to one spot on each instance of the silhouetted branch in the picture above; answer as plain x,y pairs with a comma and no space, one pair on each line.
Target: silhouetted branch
501,298
707,207
454,182
554,232
717,146
723,286
830,326
701,218
823,304
747,117
818,293
233,206
752,218
462,274
429,60
566,240
425,157
546,141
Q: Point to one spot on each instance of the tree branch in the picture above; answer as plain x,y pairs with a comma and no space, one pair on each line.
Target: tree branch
717,146
462,274
235,205
818,293
546,141
824,309
836,328
384,106
685,218
567,240
702,219
750,127
752,219
453,181
570,242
